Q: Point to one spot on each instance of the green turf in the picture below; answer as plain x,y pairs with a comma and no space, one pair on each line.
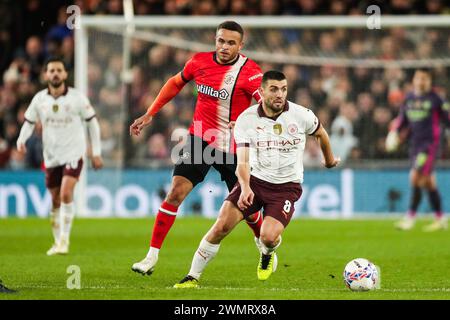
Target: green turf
414,265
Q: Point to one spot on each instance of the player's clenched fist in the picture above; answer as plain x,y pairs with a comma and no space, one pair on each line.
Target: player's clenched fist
139,124
21,148
332,163
97,162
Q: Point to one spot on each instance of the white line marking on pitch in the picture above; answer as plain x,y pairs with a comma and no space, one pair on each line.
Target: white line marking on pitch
304,290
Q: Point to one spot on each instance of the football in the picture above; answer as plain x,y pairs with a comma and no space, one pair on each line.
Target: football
361,275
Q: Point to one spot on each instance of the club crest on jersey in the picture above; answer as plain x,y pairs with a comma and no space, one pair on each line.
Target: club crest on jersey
55,108
292,128
220,94
277,128
229,79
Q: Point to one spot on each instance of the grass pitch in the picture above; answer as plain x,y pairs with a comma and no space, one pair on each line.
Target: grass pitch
414,265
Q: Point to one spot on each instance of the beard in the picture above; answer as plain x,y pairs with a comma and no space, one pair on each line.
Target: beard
274,108
56,83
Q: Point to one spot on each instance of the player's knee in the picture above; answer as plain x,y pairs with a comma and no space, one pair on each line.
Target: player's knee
429,184
220,230
175,197
66,196
269,239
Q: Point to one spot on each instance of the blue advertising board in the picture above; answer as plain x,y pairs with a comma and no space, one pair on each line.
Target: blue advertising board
137,193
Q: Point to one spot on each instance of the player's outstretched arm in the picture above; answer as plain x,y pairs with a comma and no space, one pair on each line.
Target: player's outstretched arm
172,87
25,133
243,175
324,142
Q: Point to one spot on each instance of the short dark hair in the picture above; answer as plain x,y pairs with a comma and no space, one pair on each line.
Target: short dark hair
231,25
54,59
273,75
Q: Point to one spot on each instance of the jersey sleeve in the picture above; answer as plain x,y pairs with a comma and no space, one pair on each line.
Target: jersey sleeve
312,123
31,114
401,121
87,111
254,82
187,74
241,135
444,112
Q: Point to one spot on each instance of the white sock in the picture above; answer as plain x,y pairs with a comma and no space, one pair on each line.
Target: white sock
205,252
55,222
268,250
153,253
66,217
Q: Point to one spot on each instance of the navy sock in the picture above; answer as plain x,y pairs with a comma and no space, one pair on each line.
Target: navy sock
435,200
415,199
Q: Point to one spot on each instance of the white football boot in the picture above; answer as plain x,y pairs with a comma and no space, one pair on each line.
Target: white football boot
407,223
437,224
53,250
63,247
146,266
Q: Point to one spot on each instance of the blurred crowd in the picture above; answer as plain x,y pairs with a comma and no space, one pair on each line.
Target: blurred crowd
264,7
355,104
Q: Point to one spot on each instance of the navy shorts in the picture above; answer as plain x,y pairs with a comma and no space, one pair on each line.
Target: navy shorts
423,160
197,157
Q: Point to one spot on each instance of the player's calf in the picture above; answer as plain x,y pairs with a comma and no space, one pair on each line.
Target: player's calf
178,191
165,218
255,222
218,232
229,217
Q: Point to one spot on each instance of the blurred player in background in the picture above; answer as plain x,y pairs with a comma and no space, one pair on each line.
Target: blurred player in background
271,139
226,82
421,113
62,111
